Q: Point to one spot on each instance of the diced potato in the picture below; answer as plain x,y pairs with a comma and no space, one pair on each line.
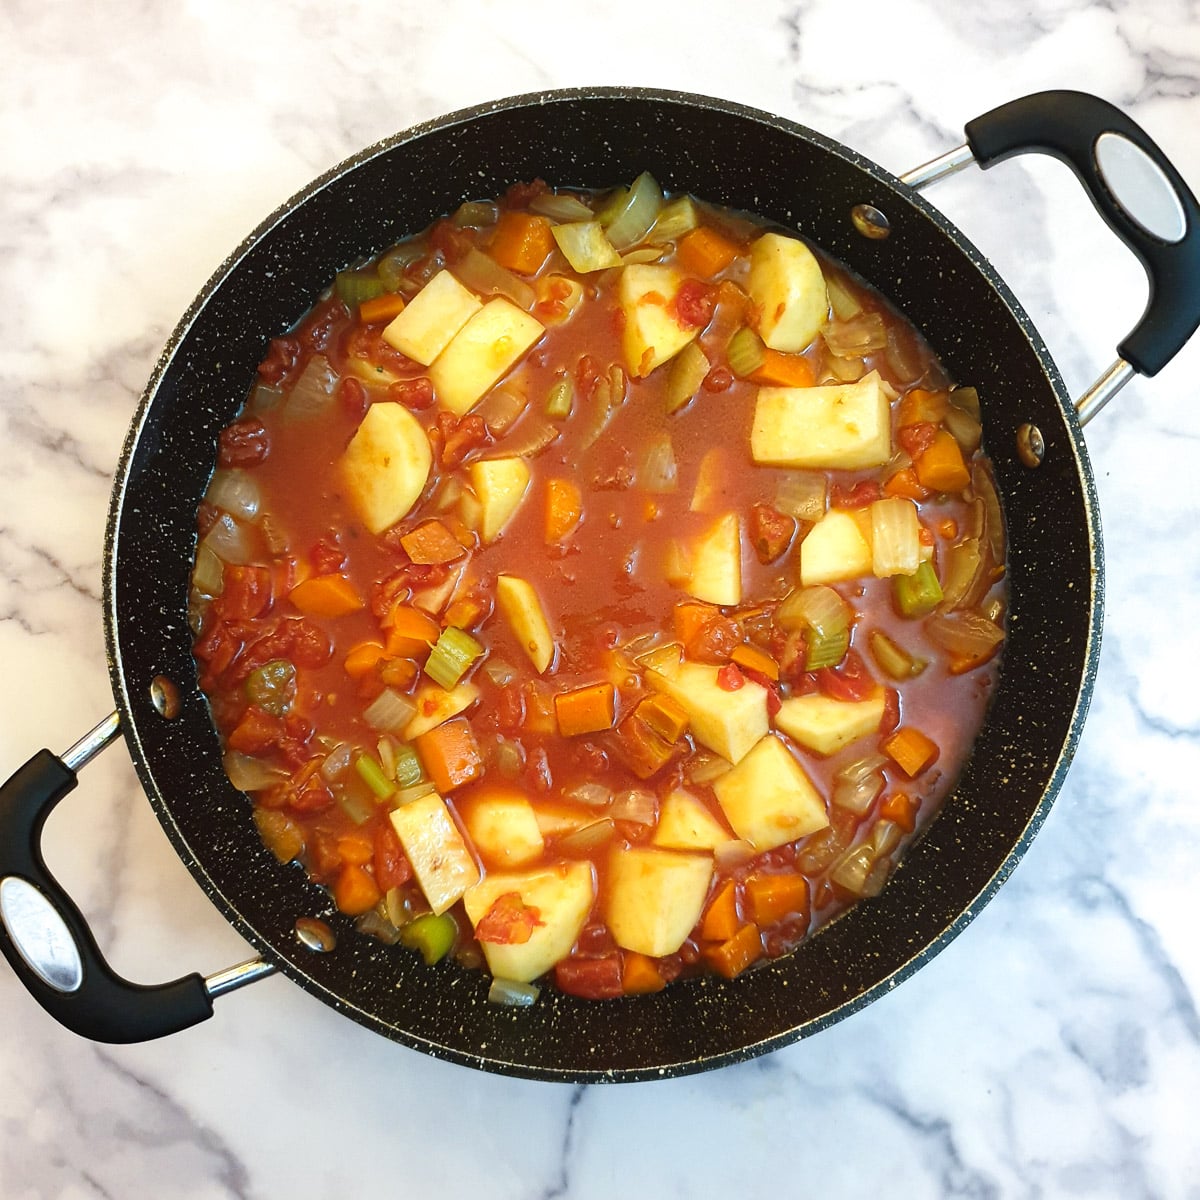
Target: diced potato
787,286
487,346
716,563
711,480
500,485
435,705
554,820
823,724
563,896
431,318
440,859
834,549
685,823
523,610
728,723
652,335
767,797
655,897
844,425
386,465
502,825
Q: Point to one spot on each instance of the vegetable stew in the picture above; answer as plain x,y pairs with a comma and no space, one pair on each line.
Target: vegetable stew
598,587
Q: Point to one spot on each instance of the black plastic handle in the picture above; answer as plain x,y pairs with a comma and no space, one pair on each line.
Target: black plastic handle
1068,126
103,1007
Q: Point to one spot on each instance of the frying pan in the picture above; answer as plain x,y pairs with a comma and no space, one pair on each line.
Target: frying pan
881,227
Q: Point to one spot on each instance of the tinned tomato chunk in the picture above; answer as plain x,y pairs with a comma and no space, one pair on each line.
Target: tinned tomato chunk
590,978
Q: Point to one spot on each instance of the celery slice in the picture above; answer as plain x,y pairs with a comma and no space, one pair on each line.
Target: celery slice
687,372
432,935
826,649
746,352
560,397
451,656
372,775
408,767
676,218
893,659
353,287
918,594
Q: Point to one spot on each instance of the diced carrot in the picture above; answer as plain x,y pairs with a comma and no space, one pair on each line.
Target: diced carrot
643,750
397,673
911,750
921,405
381,308
783,370
941,467
905,483
363,658
411,632
354,891
721,920
564,508
587,709
462,614
754,659
689,618
281,835
326,596
733,956
769,898
668,718
356,847
901,809
522,241
431,542
450,754
640,974
705,252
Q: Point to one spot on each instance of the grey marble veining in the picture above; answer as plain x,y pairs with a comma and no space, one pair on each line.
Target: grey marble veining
1052,1050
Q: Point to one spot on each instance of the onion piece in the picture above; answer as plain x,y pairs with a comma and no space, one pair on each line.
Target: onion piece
236,492
985,489
962,574
532,437
561,206
208,575
967,636
312,393
250,774
483,274
895,537
818,607
627,218
638,805
863,334
853,867
393,266
228,540
844,304
389,712
902,359
588,837
857,784
801,494
337,762
675,218
512,993
594,795
658,472
967,431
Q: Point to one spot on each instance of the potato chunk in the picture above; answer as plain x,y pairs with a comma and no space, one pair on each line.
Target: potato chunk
487,346
788,288
386,464
523,610
440,859
431,318
500,485
502,825
714,563
844,425
767,797
834,549
684,823
655,897
823,724
653,334
563,897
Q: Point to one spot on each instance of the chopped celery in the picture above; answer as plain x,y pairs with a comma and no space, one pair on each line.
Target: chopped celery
408,767
353,287
746,352
560,397
510,992
432,935
918,594
451,656
676,218
372,775
893,659
686,374
477,214
826,649
585,246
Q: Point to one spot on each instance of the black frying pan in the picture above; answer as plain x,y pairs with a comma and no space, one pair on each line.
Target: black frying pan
729,155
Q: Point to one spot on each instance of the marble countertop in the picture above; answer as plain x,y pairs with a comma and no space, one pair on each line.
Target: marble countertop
1052,1050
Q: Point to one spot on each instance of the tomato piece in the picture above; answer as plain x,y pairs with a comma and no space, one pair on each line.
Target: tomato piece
246,593
245,443
771,531
391,864
590,978
694,303
730,678
509,922
916,439
851,681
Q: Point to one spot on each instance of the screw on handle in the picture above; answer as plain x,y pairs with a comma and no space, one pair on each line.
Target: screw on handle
72,982
1080,129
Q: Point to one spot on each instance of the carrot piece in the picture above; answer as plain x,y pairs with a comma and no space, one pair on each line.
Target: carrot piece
363,658
783,370
381,308
356,847
354,891
522,241
721,920
564,509
431,542
705,252
397,673
326,596
462,614
940,467
905,483
920,405
587,709
772,897
690,616
755,659
411,631
910,750
640,974
735,954
901,809
450,754
668,718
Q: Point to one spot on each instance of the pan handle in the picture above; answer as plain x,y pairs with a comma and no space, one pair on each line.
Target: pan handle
47,940
1100,143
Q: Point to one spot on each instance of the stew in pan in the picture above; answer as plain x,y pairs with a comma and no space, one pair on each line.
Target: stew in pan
605,587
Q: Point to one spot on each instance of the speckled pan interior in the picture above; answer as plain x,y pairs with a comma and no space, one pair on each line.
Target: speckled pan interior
730,155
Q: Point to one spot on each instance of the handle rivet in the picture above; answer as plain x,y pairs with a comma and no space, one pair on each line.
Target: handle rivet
164,695
870,222
315,934
1031,446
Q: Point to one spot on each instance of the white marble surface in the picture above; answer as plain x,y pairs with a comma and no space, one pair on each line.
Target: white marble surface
1052,1050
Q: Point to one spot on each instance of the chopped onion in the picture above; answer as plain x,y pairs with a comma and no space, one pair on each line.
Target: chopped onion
645,254
483,274
852,868
628,217
594,795
801,494
967,399
905,365
687,372
846,370
228,540
477,214
389,712
337,762
249,774
638,805
658,471
963,574
499,672
512,993
561,206
393,266
312,393
265,397
860,768
967,431
588,837
508,759
531,437
414,792
677,217
895,537
274,537
885,837
585,246
236,492
985,489
861,335
705,767
856,785
500,409
967,636
374,924
844,304
208,575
